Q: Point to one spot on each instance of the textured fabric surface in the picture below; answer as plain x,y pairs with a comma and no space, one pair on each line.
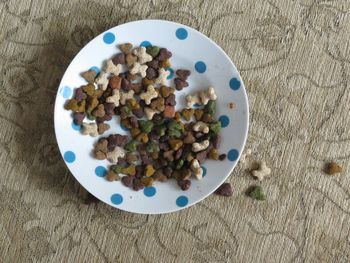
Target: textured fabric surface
294,58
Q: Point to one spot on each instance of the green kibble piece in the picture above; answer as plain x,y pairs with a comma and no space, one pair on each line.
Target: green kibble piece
161,130
152,147
256,192
131,146
153,51
215,127
210,108
117,168
146,126
174,133
179,164
90,116
174,125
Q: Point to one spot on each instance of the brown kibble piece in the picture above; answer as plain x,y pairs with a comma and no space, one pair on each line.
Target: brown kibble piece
149,170
112,176
131,158
89,89
127,180
155,155
133,104
187,114
146,82
165,64
169,112
225,190
102,127
151,73
222,157
134,132
115,82
126,48
153,64
177,116
119,59
99,111
131,77
159,176
169,155
148,181
207,118
180,84
102,145
136,87
198,114
332,168
184,184
189,139
99,155
166,91
170,100
183,73
130,59
89,76
158,104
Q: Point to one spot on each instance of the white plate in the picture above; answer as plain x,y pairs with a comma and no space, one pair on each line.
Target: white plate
209,66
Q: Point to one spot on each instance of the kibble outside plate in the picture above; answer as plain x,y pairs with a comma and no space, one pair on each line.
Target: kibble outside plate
210,66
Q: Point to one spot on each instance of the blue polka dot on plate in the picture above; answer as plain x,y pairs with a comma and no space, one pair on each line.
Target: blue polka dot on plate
224,120
232,155
66,92
181,33
149,191
108,38
182,201
96,69
75,126
171,75
235,84
204,171
145,43
100,171
69,156
116,199
200,67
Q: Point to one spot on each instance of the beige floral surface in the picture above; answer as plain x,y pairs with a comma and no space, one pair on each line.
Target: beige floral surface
294,57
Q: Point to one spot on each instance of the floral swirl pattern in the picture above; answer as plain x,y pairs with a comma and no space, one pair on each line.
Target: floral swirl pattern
294,57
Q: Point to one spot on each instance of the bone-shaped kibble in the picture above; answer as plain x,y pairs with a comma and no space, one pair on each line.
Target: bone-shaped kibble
139,69
142,55
111,68
150,94
262,171
102,80
162,76
200,146
207,95
197,169
113,156
200,127
89,129
150,112
244,155
115,98
124,96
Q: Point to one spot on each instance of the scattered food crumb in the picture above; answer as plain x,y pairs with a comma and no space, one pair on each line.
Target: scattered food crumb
332,168
232,105
245,154
262,171
256,192
225,190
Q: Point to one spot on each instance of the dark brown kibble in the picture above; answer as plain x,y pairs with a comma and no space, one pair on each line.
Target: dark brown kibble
112,176
207,118
121,161
139,113
127,180
200,156
133,122
79,95
184,184
164,54
164,138
183,73
115,82
225,190
146,159
125,84
164,146
198,135
153,64
109,108
139,171
222,157
136,87
167,171
103,119
178,154
78,117
180,84
151,73
119,59
170,101
216,141
137,184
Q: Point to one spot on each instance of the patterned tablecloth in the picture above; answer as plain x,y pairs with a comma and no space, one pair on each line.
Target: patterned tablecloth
294,57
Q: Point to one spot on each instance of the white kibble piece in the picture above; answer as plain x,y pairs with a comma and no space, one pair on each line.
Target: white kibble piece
113,156
200,127
111,68
162,76
125,96
262,171
150,94
142,55
89,129
207,95
191,100
197,169
102,80
139,69
115,98
200,146
150,112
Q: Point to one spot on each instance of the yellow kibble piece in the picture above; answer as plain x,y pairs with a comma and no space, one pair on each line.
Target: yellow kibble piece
130,170
147,181
149,170
175,144
142,137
